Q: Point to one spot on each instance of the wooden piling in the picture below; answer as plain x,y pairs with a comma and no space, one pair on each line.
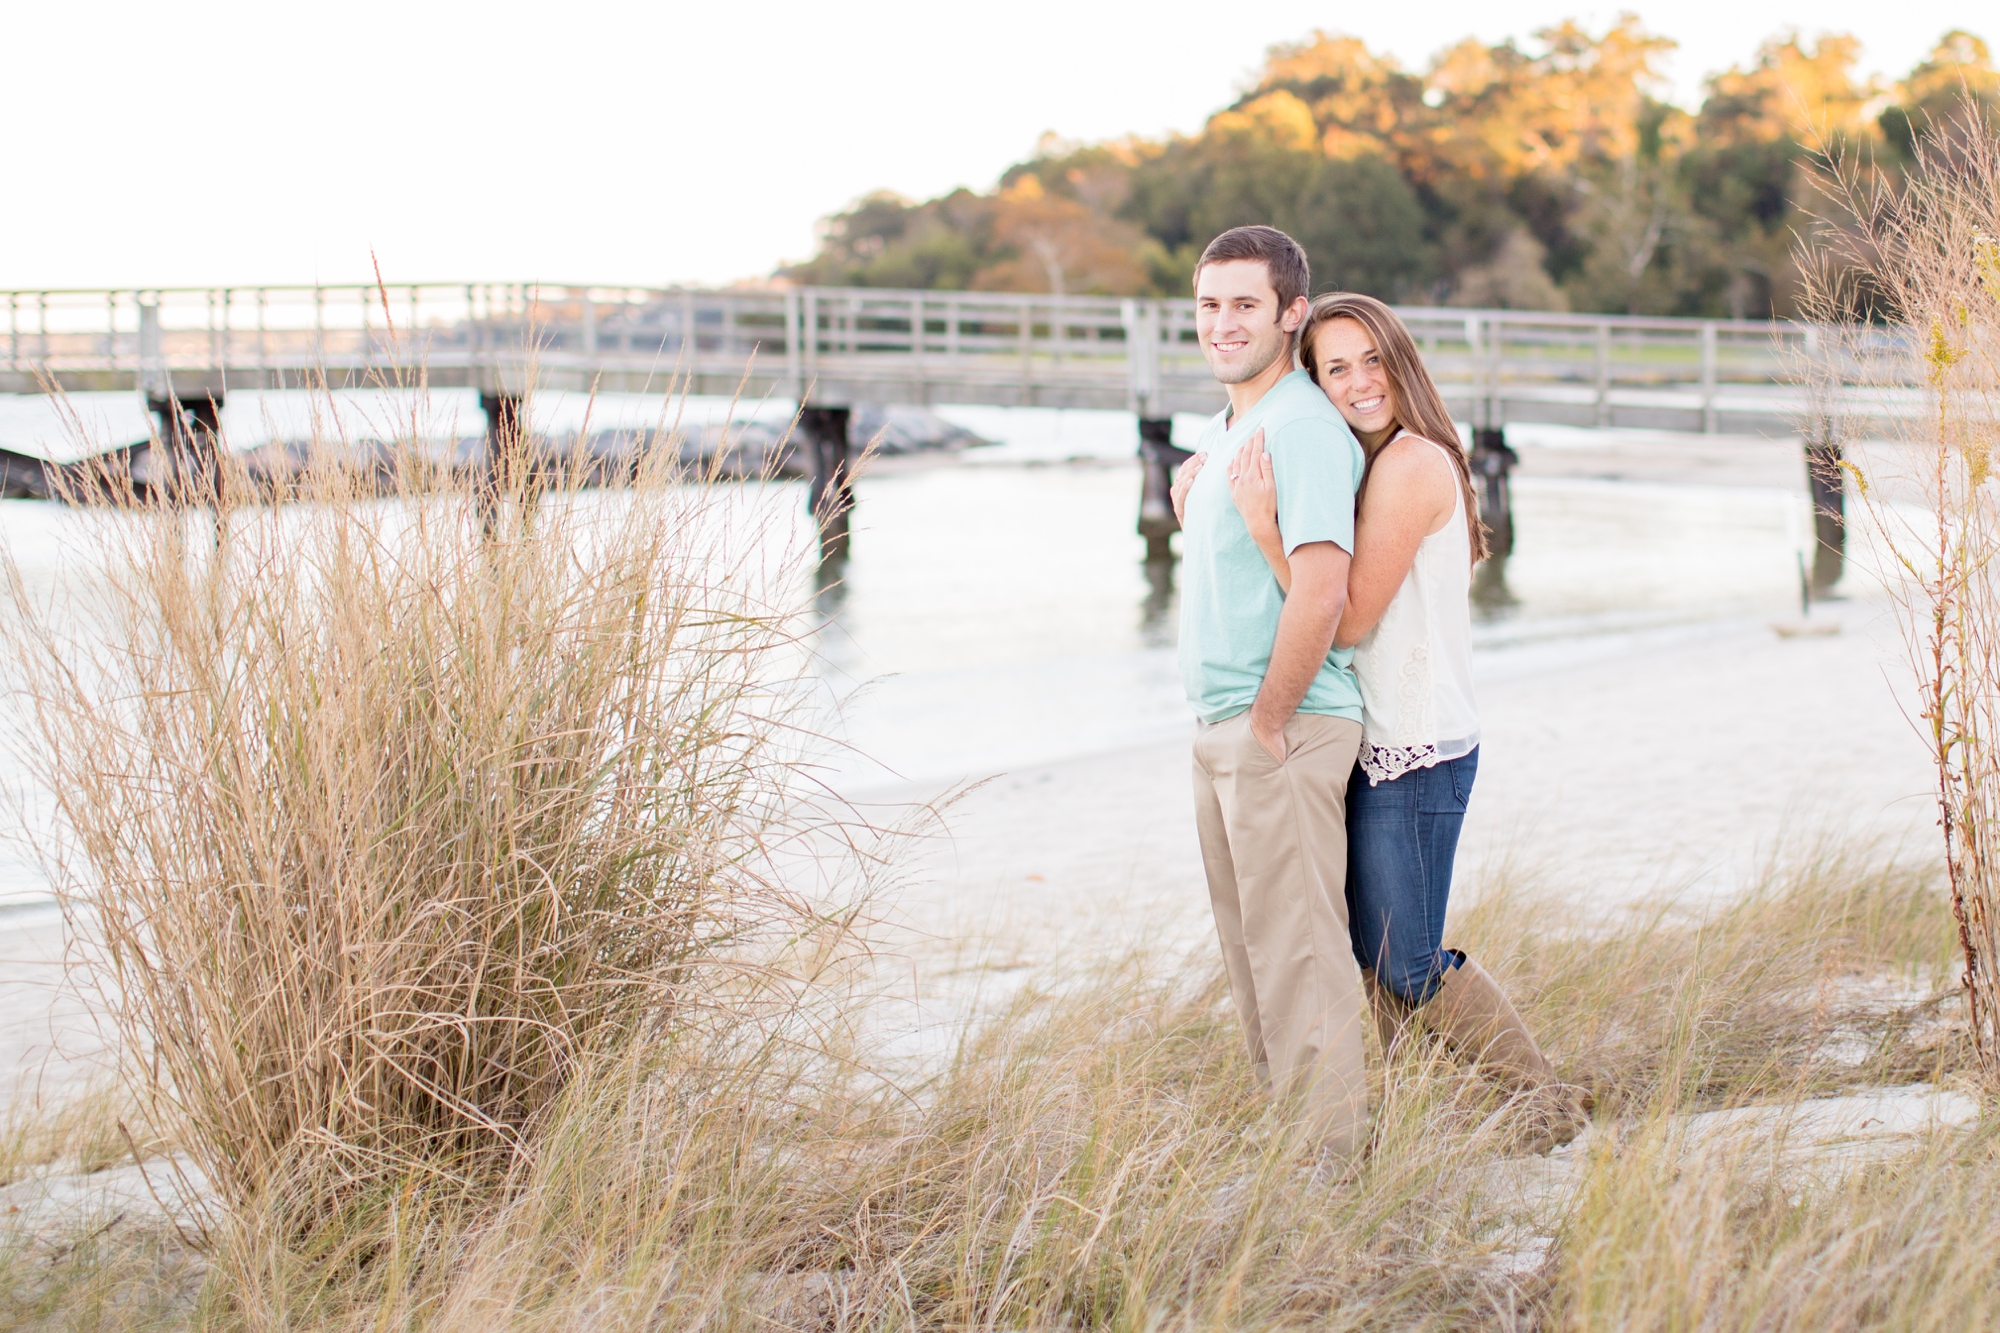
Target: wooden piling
823,435
191,434
1827,484
503,430
1157,460
1493,461
506,456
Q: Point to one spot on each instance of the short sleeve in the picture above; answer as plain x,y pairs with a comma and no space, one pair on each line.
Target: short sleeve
1313,464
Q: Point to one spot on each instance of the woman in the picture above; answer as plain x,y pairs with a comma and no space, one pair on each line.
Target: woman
1408,618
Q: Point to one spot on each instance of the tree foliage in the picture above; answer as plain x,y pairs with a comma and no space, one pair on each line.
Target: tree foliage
1555,177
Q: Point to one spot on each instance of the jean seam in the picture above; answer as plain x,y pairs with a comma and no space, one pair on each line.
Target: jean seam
1432,929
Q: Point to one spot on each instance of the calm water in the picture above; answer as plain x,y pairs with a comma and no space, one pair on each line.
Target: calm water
998,616
996,612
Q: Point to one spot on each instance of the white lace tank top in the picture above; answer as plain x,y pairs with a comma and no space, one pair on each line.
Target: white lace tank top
1415,666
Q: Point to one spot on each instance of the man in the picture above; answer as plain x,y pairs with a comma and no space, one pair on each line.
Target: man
1279,711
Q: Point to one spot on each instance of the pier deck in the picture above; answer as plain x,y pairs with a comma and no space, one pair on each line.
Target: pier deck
834,347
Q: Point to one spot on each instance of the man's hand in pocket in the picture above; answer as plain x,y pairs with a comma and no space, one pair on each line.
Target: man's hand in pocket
1270,736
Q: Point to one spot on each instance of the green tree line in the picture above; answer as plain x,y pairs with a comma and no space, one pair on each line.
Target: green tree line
1552,178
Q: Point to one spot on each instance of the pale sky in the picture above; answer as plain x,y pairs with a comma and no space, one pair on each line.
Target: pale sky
600,141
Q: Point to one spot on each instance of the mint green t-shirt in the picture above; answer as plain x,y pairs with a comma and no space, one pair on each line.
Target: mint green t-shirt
1230,600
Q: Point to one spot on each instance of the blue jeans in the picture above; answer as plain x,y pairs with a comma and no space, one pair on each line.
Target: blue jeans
1401,838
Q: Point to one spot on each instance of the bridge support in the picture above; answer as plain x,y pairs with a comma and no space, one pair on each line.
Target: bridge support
506,456
830,486
191,434
1157,460
1493,461
1827,484
503,430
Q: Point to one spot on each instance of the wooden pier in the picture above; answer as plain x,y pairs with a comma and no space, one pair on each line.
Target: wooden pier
828,349
841,346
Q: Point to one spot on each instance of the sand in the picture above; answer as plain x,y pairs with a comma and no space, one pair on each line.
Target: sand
1675,761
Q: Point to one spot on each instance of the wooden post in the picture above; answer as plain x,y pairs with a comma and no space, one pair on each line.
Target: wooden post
152,353
1157,459
506,456
809,333
1027,352
1708,377
1496,408
191,432
830,488
794,332
503,430
1827,484
1492,460
1603,373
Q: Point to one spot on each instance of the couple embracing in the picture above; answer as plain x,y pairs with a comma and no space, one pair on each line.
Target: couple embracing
1327,654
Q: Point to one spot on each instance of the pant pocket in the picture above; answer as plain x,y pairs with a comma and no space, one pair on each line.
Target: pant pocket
1439,791
1234,736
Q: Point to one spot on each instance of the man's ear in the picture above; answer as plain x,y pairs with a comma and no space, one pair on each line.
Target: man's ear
1295,315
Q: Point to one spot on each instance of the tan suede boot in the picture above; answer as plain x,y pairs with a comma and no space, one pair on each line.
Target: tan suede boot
1391,1013
1473,1013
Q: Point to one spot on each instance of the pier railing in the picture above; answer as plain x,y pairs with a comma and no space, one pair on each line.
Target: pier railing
839,346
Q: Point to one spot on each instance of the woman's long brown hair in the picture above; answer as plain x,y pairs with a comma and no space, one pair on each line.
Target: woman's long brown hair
1420,408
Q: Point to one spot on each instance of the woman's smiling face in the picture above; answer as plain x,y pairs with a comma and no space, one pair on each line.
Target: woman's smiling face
1349,369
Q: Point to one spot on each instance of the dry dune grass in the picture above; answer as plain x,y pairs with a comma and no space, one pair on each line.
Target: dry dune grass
1836,952
1717,1239
1096,1156
1921,256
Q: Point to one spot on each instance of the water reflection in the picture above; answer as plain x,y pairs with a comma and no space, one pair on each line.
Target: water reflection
1159,610
830,586
963,567
993,616
1492,599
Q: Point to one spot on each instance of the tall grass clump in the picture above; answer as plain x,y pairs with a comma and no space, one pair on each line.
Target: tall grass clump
1916,261
382,816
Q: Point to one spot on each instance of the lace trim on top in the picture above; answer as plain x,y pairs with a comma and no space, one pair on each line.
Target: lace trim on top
1386,763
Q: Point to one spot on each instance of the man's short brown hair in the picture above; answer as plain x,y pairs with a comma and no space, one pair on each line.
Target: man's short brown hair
1282,257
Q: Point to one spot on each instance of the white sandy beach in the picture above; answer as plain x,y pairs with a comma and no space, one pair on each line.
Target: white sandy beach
1664,762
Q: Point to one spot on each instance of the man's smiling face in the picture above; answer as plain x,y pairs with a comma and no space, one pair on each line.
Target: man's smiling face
1237,318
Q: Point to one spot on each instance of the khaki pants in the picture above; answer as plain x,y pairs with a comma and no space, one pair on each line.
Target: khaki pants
1274,844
